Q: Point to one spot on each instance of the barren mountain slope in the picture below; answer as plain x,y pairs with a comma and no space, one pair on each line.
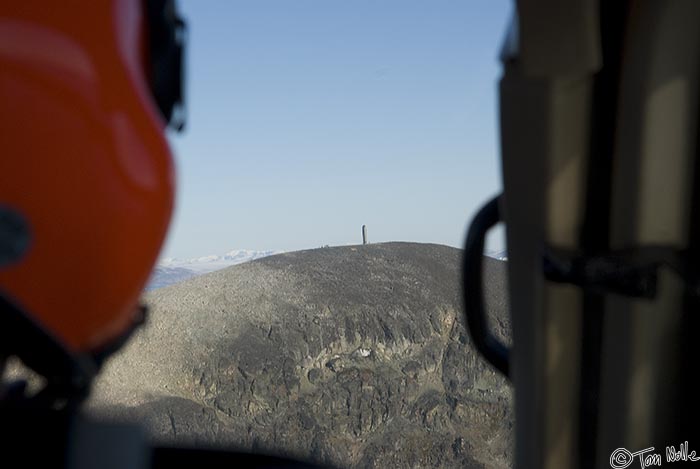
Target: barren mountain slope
352,356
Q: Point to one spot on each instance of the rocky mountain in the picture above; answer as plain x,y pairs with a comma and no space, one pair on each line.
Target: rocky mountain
348,356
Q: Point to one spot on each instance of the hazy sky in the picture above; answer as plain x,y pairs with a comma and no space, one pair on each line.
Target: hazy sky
310,118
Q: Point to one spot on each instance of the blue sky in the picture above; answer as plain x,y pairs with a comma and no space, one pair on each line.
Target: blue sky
310,118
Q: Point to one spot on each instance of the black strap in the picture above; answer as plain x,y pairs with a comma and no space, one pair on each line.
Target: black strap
167,35
485,342
68,375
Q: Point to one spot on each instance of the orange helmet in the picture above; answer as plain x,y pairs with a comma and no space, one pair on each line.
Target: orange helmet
87,182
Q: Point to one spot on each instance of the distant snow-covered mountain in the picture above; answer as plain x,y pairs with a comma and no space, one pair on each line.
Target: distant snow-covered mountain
164,276
501,255
211,263
173,270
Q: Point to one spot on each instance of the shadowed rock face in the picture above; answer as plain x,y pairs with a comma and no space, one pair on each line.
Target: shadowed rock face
351,356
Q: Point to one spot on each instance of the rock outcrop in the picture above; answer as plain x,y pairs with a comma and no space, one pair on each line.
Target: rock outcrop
348,356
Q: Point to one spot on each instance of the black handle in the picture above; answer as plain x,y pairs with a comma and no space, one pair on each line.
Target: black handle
493,351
